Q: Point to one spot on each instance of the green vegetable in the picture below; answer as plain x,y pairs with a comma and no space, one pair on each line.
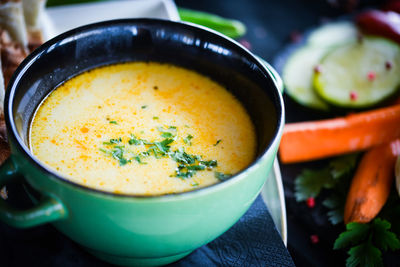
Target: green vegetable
218,141
298,76
229,27
299,70
221,176
332,34
188,164
155,118
367,241
187,139
310,182
145,106
360,74
113,122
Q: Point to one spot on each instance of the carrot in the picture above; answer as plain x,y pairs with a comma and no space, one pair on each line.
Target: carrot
371,184
305,141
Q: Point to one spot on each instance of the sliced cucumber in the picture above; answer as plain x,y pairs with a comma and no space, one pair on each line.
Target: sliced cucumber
334,33
360,74
298,76
298,72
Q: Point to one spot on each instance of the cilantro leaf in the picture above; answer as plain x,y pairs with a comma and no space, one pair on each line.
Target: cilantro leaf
310,183
355,233
382,237
364,254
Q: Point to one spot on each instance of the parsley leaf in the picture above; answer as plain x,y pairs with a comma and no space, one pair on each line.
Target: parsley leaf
113,122
355,233
384,238
135,141
187,139
144,106
218,141
221,176
310,183
368,240
166,135
343,165
365,254
335,203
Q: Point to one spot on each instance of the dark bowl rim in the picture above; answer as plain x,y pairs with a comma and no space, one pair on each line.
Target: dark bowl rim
31,58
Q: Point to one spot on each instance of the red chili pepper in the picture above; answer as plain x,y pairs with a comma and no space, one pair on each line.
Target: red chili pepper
310,202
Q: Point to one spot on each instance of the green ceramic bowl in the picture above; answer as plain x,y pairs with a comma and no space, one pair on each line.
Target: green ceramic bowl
127,229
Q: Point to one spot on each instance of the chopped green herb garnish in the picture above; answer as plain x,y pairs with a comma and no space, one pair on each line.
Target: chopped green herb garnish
135,141
166,135
188,164
196,167
187,139
145,106
210,163
218,141
139,160
164,145
113,122
221,176
155,118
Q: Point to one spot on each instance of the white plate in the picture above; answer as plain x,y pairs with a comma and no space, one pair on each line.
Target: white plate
60,19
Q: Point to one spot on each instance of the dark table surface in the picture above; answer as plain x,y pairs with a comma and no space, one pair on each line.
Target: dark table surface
272,25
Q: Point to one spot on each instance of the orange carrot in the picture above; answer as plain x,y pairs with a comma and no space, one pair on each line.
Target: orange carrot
305,141
371,184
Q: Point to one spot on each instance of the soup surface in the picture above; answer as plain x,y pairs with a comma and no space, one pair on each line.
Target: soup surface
144,129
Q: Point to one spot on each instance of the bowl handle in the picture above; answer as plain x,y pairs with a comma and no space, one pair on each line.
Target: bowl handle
48,209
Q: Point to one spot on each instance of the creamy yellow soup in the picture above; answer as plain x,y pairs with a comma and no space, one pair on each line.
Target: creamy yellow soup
143,129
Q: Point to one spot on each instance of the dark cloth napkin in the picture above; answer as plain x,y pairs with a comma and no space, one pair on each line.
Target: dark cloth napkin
252,241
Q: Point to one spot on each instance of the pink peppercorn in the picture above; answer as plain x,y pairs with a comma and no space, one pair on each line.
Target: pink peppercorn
295,36
388,65
314,239
310,202
318,69
371,76
353,95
